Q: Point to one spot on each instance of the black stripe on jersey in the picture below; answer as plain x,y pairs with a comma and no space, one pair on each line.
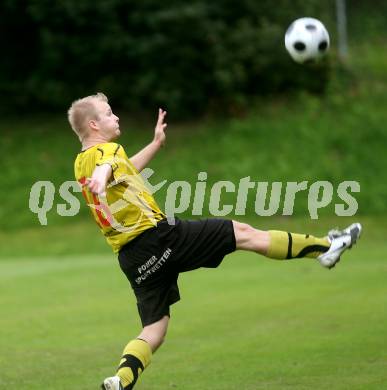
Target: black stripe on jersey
111,164
101,150
118,146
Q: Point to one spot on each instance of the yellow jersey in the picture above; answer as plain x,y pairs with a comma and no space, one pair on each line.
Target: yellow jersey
128,209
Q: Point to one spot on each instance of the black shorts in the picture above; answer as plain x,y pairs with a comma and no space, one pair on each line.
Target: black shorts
153,260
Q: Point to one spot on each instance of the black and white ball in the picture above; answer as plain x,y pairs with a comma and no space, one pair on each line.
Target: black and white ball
307,40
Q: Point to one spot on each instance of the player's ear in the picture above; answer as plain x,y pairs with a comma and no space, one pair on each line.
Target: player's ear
92,124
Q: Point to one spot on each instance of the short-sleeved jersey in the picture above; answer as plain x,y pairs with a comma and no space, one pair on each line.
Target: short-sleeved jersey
128,208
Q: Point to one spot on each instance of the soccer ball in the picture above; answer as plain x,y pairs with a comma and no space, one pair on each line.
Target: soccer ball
307,40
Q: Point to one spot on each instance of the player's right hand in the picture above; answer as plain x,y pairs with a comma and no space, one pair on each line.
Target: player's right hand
160,128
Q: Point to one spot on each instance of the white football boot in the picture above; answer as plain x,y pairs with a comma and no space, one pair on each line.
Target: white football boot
112,383
340,241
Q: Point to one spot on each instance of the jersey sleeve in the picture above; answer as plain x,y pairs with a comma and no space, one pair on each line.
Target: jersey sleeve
107,154
114,155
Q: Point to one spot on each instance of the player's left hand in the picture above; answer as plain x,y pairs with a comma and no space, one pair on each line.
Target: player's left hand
98,181
160,127
96,186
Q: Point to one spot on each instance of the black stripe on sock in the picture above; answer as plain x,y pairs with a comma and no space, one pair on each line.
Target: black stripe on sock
131,362
138,338
290,244
312,248
134,364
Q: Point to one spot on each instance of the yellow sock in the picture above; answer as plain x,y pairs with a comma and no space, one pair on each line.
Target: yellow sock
135,358
285,245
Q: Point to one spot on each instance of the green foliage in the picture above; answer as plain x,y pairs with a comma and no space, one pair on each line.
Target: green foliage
187,57
366,20
337,138
293,138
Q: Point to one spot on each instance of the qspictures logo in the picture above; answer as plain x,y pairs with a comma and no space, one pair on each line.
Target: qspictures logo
276,198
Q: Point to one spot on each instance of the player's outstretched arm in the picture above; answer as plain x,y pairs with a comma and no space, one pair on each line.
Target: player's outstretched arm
142,158
98,181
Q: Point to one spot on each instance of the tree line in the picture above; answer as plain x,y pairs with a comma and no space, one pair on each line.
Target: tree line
190,57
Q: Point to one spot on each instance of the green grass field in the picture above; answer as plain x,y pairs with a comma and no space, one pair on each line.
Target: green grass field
67,310
251,324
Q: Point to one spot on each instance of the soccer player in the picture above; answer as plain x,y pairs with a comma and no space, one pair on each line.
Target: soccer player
151,251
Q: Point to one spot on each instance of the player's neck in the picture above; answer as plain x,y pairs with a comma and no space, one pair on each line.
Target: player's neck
91,141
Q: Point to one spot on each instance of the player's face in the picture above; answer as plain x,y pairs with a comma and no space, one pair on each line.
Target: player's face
108,123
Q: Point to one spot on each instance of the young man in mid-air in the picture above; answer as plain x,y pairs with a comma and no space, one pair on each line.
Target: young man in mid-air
151,251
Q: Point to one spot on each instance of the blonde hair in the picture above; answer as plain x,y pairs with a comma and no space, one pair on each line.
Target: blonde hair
83,110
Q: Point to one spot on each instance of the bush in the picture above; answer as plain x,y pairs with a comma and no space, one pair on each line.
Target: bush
184,56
